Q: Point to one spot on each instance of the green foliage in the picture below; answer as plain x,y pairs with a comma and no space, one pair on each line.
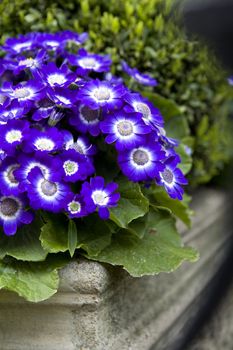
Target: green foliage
142,33
159,250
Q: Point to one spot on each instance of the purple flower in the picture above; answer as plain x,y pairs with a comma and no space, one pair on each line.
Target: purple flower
90,62
126,130
54,76
20,44
13,213
76,207
168,141
98,196
72,37
43,110
51,42
47,194
142,163
62,97
50,166
85,119
101,94
32,64
75,167
13,134
82,145
141,78
25,93
47,140
8,183
172,179
11,111
150,114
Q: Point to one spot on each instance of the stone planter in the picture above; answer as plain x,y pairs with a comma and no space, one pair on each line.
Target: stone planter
100,307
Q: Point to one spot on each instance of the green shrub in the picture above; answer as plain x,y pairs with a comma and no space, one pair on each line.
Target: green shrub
142,33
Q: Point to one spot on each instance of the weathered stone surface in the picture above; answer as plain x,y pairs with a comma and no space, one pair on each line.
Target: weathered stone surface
99,307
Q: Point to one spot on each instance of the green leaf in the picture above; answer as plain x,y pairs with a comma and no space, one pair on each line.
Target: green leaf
160,250
25,244
72,237
132,205
180,209
33,281
94,235
54,233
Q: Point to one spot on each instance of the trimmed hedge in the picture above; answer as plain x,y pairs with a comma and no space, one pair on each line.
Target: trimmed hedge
143,33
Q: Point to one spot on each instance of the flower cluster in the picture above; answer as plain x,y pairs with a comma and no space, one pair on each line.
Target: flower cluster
58,104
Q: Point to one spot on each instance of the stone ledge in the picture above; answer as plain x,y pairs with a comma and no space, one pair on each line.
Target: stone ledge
99,307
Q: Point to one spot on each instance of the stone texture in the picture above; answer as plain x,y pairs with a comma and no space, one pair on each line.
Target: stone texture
218,332
99,307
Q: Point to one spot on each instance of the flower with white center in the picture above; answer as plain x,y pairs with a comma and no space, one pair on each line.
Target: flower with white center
126,130
56,76
75,166
98,196
76,207
12,213
48,140
101,94
13,134
45,193
25,93
142,163
172,178
90,62
150,114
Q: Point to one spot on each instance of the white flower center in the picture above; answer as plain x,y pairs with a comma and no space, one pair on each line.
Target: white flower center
167,175
44,144
28,62
13,136
87,62
56,79
74,207
140,157
70,167
144,109
22,93
102,94
125,128
100,197
9,207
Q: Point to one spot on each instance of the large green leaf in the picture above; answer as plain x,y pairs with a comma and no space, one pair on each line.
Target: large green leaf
25,244
54,233
160,250
159,197
132,205
94,236
33,281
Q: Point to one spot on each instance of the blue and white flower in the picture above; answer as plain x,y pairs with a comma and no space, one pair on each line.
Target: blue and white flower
47,140
76,207
98,196
127,131
150,114
144,79
13,213
90,62
172,178
47,194
142,163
